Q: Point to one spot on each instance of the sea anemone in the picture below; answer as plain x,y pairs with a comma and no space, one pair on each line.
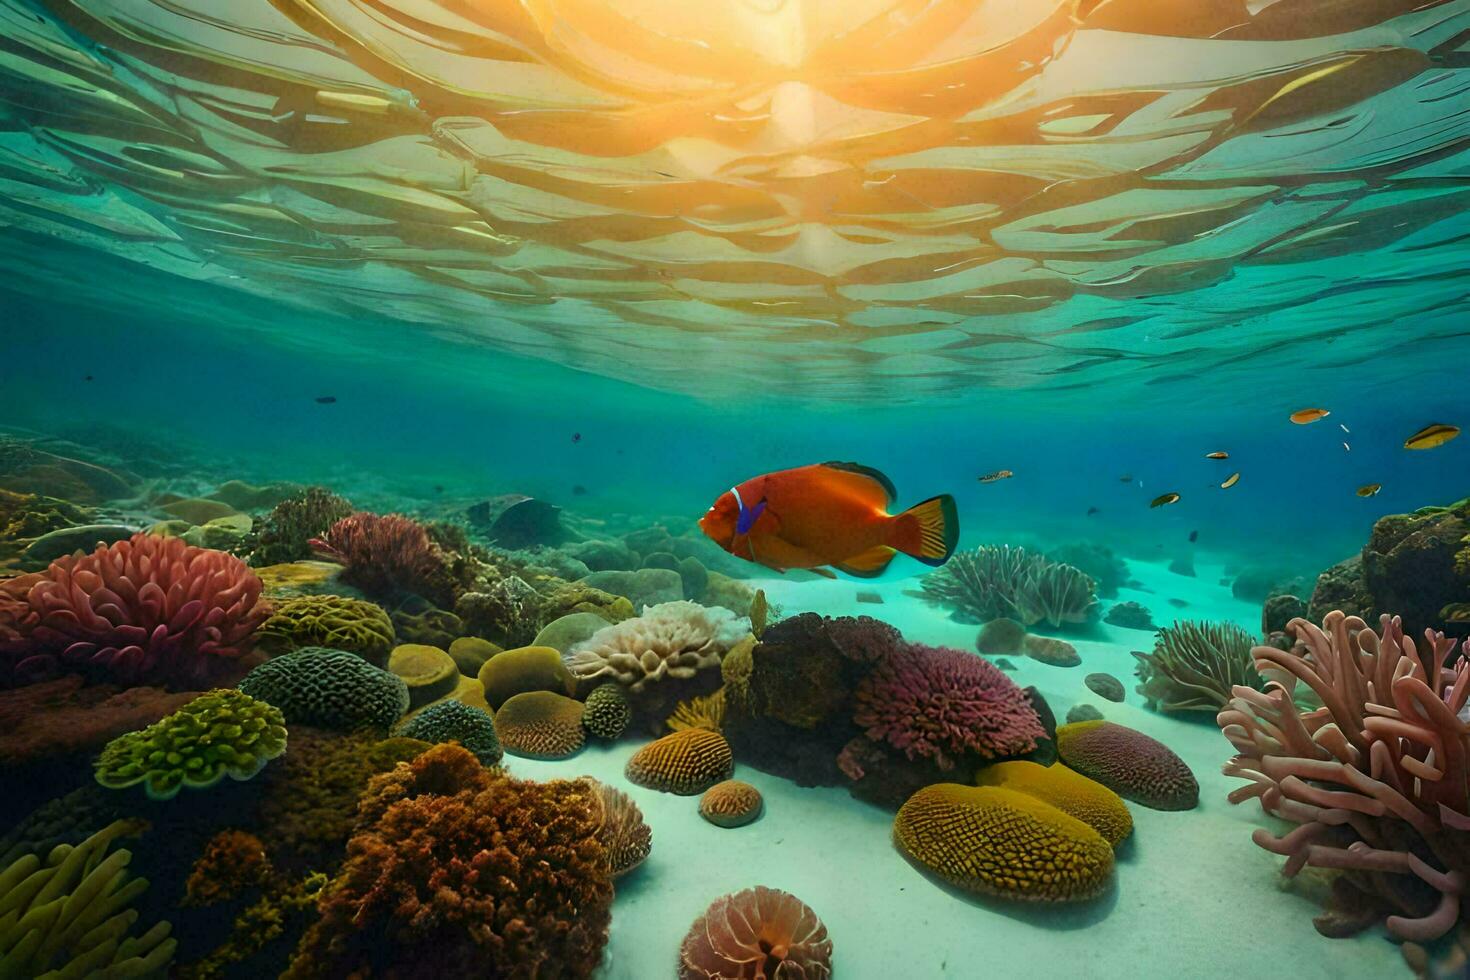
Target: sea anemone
387,555
935,702
759,932
1194,666
991,582
148,610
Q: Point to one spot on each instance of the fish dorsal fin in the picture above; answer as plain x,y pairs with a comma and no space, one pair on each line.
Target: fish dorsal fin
877,476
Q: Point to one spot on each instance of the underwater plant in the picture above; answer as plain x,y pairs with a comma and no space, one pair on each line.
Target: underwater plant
934,702
1194,666
222,733
1374,779
701,712
993,582
233,862
70,913
387,555
459,870
284,535
330,689
148,610
758,932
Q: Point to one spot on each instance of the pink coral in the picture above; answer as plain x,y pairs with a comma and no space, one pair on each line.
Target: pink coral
148,610
1375,779
387,554
940,703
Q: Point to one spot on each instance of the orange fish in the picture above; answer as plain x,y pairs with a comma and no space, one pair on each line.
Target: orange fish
1307,416
829,514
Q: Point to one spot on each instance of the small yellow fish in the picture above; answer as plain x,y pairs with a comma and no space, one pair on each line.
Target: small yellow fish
1435,434
1230,481
1217,455
1308,415
997,475
1168,498
1369,490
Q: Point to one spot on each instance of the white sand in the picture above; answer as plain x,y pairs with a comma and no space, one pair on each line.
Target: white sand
1193,897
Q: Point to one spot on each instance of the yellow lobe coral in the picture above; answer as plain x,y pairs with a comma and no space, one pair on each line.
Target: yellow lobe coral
524,669
735,671
429,672
1072,793
706,712
999,842
684,763
540,725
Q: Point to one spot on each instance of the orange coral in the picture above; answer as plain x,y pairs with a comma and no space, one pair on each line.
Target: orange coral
540,725
757,933
702,712
730,804
233,862
683,763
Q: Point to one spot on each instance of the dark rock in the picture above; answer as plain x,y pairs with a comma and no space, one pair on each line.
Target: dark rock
1130,615
1105,686
1280,610
1083,712
513,520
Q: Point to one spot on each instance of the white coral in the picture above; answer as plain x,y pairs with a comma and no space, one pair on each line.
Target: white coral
672,639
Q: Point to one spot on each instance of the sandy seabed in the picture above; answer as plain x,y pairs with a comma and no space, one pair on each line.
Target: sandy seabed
1193,896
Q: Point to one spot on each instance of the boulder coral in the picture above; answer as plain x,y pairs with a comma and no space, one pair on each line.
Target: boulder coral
330,689
1003,843
525,669
455,721
731,803
934,702
1194,666
223,733
429,672
991,582
147,610
684,763
758,932
1129,763
1375,779
334,621
540,725
422,896
606,712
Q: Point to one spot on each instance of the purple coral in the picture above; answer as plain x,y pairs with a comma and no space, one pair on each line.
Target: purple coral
941,703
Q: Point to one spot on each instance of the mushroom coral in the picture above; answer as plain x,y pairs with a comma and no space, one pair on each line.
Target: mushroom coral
147,610
1193,667
1375,779
458,870
759,932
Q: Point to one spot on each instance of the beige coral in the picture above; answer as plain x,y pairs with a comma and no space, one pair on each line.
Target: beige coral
670,640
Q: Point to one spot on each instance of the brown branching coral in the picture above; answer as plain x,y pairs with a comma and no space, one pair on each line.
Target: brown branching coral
757,933
1375,779
457,870
1194,666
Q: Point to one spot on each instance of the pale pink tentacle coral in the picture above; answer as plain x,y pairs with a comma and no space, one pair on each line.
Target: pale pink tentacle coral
148,610
1377,778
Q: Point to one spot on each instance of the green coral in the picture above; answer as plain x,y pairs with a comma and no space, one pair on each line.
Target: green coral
285,533
607,712
455,721
223,733
329,688
69,914
328,621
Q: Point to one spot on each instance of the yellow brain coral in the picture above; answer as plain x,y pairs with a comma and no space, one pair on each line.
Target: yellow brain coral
1003,843
684,763
540,725
331,621
524,669
1072,793
429,672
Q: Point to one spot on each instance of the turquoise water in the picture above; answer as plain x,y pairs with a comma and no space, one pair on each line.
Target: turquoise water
619,258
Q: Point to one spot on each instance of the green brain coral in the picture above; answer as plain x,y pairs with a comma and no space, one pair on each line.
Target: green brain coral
330,689
328,621
455,721
223,733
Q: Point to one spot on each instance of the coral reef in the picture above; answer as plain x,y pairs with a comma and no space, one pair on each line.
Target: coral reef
731,803
147,610
624,835
331,621
702,712
683,763
1374,779
1130,615
455,721
71,912
993,582
232,863
1129,763
1193,667
387,555
1002,843
940,703
526,669
422,896
759,932
222,733
1072,793
329,688
606,713
285,534
1000,636
565,632
29,515
506,611
1105,686
1278,610
428,672
540,725
1051,651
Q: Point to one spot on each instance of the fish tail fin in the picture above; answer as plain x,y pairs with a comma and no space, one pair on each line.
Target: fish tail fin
928,531
867,564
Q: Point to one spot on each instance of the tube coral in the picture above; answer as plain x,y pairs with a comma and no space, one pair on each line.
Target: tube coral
941,703
148,610
1375,779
